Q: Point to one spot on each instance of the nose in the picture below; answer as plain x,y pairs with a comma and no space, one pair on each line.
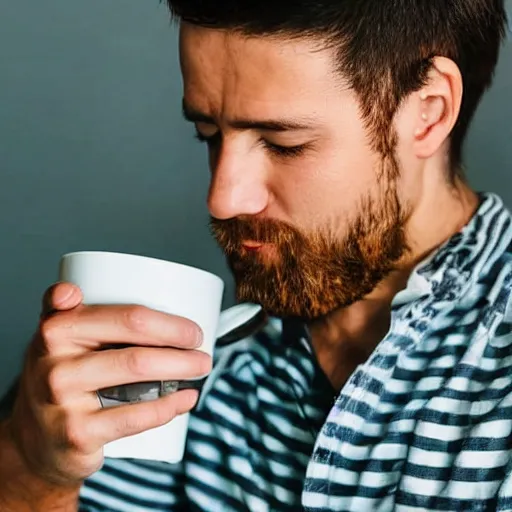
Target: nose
238,186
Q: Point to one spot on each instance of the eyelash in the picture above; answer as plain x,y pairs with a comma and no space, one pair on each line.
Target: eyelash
285,151
281,151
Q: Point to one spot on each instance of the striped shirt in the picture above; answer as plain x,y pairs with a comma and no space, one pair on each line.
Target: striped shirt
424,424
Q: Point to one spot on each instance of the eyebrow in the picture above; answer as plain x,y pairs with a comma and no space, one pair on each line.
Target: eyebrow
275,125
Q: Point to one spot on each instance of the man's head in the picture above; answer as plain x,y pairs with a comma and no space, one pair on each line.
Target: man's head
328,123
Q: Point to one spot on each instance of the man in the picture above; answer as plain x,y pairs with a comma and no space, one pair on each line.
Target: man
383,379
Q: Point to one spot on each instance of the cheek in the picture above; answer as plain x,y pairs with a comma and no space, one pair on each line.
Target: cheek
324,186
410,182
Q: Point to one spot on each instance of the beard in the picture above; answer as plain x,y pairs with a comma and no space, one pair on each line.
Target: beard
314,273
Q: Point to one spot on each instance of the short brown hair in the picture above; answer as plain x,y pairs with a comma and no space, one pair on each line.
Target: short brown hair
385,47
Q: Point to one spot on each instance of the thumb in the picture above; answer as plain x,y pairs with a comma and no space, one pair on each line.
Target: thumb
61,297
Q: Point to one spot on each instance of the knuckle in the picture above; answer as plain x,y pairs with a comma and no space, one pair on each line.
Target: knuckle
51,331
57,381
95,465
136,318
75,435
89,464
134,361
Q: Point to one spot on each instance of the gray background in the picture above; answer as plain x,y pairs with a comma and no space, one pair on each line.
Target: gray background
94,153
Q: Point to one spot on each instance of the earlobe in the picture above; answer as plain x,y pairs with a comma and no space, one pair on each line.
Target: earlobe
439,105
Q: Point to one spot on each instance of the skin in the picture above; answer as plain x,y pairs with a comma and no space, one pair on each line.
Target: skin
54,438
234,84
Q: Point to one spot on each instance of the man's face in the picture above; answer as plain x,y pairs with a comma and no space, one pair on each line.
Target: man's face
308,215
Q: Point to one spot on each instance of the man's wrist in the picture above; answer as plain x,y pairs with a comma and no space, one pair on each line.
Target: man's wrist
23,491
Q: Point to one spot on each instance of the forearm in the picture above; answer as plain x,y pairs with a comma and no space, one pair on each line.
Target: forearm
21,491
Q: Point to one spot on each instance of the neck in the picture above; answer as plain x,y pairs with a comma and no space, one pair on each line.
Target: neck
346,337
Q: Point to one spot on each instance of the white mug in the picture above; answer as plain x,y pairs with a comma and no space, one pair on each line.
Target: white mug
114,278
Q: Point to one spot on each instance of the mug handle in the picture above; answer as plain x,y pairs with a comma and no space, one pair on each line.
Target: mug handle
235,323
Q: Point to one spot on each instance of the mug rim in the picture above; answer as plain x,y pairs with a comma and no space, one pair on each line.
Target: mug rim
159,261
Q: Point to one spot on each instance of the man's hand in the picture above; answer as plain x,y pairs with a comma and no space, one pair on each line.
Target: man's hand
57,424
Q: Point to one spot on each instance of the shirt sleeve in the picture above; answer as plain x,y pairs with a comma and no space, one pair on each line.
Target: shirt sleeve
134,486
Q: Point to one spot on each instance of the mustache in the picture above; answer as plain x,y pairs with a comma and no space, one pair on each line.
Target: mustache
230,233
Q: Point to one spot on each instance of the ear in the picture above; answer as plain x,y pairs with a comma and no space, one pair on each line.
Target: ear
437,107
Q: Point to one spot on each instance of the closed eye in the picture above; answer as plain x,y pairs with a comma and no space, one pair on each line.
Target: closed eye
285,151
274,149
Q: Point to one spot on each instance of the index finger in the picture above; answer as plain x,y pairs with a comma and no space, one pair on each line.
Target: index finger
99,326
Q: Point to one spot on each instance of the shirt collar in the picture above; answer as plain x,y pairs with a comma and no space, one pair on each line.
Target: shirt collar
450,270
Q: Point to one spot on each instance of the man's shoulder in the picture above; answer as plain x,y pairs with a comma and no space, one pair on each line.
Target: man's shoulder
492,282
496,314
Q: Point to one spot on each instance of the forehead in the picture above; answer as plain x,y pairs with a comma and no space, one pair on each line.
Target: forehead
225,70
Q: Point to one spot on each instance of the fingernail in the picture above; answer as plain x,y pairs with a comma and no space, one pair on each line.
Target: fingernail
194,398
61,297
199,338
